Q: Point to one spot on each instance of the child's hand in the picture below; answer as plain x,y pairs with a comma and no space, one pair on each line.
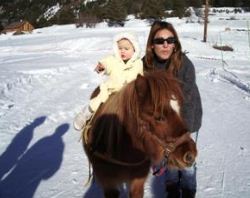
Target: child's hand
99,68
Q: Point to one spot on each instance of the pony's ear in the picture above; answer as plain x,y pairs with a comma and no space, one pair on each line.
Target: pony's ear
141,86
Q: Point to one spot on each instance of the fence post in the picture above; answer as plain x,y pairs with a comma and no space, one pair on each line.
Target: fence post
205,21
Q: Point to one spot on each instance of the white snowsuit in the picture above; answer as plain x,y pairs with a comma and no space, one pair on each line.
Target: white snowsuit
119,73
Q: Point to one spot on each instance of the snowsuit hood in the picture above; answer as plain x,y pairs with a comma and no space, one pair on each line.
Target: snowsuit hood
129,36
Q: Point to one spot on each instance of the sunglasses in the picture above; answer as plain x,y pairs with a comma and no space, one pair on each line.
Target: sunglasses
160,41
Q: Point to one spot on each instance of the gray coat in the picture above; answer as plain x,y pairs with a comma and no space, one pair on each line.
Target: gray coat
192,107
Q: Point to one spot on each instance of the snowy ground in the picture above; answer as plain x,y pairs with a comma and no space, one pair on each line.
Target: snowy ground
46,76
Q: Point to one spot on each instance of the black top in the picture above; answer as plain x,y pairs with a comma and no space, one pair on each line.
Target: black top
192,107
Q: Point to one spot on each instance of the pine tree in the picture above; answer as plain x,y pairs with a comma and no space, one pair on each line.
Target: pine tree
179,8
115,12
194,3
217,3
246,3
153,9
98,9
1,26
134,6
168,4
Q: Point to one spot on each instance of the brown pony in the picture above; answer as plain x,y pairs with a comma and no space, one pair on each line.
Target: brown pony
135,129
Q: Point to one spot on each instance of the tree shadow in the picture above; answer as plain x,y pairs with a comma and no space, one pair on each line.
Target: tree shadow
158,189
95,190
40,162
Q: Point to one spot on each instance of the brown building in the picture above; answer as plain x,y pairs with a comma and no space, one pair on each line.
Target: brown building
22,26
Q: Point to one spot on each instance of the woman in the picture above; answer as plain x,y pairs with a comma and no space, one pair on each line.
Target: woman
163,52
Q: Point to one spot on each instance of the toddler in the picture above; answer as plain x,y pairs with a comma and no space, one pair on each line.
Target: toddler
122,67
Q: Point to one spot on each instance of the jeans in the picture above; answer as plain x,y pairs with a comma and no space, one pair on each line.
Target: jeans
186,178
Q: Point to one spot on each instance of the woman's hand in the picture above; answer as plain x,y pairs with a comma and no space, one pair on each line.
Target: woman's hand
99,68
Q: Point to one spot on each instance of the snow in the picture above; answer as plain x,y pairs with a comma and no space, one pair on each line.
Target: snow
51,11
47,76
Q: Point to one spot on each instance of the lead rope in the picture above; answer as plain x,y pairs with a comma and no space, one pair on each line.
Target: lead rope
85,130
84,138
90,177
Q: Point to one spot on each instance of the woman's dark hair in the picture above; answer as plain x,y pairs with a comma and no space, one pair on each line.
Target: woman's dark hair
175,58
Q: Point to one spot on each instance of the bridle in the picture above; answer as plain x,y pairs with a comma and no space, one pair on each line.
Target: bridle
168,147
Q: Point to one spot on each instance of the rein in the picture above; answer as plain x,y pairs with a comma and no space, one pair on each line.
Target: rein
118,162
102,156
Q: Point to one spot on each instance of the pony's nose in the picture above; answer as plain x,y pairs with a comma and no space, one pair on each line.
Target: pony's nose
189,158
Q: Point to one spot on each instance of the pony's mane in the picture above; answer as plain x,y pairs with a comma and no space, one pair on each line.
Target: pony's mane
119,115
162,88
121,102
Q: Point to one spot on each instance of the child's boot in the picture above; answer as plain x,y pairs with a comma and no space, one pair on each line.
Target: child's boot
82,117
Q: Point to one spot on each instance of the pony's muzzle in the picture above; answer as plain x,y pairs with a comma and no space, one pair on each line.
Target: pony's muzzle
189,158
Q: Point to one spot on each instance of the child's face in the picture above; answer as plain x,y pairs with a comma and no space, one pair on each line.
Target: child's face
126,49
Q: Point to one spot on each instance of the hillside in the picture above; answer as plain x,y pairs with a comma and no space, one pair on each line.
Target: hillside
89,12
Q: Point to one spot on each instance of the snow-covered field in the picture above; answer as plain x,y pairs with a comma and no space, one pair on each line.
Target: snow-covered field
47,76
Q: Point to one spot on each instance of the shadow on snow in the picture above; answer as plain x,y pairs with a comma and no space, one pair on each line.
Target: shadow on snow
157,188
22,169
96,191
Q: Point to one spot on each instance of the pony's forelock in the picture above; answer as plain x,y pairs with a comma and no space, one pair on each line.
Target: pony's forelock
163,88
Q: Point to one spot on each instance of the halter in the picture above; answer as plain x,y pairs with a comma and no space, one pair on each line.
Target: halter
167,148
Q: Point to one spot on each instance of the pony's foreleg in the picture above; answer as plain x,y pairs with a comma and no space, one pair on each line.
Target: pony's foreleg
111,193
137,188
